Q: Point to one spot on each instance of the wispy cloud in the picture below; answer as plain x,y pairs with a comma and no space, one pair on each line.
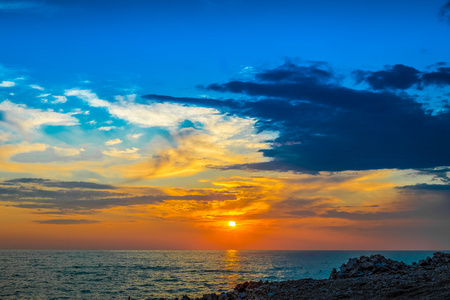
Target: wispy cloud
199,137
25,6
134,136
82,197
17,5
62,184
36,87
7,83
113,142
5,136
104,128
67,221
146,115
129,153
59,99
46,154
44,95
25,119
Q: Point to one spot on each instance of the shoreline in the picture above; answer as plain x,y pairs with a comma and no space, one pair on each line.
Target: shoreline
373,277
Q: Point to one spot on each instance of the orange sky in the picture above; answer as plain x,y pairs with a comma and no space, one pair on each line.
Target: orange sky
347,210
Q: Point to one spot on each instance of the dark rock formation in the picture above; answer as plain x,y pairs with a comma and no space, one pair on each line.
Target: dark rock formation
367,266
373,277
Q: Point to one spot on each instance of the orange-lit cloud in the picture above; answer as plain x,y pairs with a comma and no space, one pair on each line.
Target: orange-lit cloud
275,211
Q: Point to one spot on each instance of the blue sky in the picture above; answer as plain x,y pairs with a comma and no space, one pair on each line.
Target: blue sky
301,118
179,44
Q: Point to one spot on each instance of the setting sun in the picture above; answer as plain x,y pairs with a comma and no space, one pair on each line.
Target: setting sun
231,223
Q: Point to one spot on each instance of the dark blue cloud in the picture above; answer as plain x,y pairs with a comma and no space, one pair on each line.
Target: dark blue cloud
444,12
439,174
403,77
328,127
439,77
427,187
290,72
207,102
325,126
394,77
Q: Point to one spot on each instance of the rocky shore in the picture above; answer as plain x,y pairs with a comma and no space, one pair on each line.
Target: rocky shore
373,277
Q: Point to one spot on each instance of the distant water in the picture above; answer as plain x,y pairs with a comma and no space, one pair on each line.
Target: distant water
49,274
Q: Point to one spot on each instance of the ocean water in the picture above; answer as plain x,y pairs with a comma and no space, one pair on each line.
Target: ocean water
50,274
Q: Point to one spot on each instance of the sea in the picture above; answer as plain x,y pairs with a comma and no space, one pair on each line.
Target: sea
81,274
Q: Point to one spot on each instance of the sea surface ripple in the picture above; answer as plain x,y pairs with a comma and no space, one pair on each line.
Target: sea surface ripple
81,274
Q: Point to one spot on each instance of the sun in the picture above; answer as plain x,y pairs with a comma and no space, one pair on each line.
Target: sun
231,223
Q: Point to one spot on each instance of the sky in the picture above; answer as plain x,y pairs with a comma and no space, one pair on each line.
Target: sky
314,125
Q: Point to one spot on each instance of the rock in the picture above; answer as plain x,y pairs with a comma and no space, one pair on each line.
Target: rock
333,274
223,296
367,265
373,277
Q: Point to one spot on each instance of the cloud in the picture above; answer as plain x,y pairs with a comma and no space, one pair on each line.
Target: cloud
439,77
44,95
85,197
324,123
151,115
431,201
197,137
17,5
290,72
134,136
393,77
366,216
444,12
56,154
67,222
113,142
206,102
87,96
425,188
36,87
59,99
128,153
83,174
7,84
403,77
5,136
62,184
302,213
26,119
325,126
103,128
12,6
220,141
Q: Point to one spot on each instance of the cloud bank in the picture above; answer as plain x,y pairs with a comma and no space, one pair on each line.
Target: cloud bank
78,197
325,125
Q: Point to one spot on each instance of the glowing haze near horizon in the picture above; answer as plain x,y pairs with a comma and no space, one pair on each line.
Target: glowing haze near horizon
153,124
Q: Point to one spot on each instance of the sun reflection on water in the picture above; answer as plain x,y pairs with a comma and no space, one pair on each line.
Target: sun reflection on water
232,267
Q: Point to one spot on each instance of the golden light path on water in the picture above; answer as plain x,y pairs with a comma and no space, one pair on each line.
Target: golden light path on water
232,265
